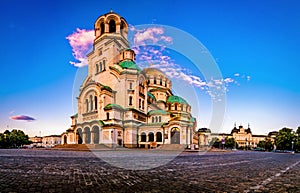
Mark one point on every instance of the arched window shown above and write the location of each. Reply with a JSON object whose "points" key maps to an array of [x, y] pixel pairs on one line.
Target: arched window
{"points": [[175, 106], [91, 102], [156, 119], [96, 101], [112, 26], [107, 116], [102, 28], [130, 100], [152, 119], [154, 82], [181, 106], [100, 67], [158, 137], [151, 137], [104, 66], [143, 137], [140, 103], [143, 104], [130, 85], [160, 81], [159, 119], [87, 105], [165, 83], [169, 106], [97, 68]]}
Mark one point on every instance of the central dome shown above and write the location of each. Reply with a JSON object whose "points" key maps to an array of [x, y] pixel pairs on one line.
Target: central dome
{"points": [[153, 71]]}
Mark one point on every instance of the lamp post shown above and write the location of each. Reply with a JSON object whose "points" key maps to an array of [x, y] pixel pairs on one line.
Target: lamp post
{"points": [[292, 145]]}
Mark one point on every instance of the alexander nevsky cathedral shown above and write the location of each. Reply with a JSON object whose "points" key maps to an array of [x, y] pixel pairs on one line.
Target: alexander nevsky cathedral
{"points": [[120, 104]]}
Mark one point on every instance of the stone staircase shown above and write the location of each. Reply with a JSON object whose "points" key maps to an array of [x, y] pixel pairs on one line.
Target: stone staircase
{"points": [[172, 147]]}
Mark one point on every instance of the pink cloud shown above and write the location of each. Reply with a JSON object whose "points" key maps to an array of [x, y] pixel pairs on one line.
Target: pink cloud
{"points": [[81, 42], [22, 118]]}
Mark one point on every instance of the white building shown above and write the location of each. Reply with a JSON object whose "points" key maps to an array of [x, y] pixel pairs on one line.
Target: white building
{"points": [[121, 104]]}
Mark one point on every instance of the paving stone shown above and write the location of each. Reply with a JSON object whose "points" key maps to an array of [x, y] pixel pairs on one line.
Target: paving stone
{"points": [[72, 171]]}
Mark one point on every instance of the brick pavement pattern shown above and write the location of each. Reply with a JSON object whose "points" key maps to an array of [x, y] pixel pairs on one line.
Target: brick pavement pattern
{"points": [[74, 171]]}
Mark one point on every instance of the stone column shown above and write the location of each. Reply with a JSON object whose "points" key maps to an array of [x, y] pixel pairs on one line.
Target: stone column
{"points": [[83, 137], [92, 137]]}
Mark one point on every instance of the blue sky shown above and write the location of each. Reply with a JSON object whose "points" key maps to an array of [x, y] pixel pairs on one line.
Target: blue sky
{"points": [[254, 38]]}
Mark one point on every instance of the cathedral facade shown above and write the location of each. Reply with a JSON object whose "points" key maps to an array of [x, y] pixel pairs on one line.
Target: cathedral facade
{"points": [[120, 104]]}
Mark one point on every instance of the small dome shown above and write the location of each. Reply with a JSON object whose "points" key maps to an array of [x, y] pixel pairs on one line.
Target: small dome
{"points": [[128, 64], [174, 99], [153, 71]]}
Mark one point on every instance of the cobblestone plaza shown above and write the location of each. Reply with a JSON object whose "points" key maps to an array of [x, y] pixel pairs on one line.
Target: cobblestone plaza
{"points": [[82, 171]]}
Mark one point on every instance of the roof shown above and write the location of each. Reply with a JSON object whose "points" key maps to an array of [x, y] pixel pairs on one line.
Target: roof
{"points": [[192, 119], [128, 64], [158, 112], [151, 96], [176, 99], [206, 130], [113, 106], [153, 71]]}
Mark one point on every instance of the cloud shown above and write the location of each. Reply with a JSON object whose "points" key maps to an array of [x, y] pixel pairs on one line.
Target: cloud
{"points": [[22, 118], [81, 42]]}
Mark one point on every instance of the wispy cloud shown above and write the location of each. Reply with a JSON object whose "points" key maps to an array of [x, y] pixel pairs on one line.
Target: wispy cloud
{"points": [[158, 56], [22, 118], [81, 42]]}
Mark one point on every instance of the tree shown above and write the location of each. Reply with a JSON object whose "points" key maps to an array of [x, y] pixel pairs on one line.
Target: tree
{"points": [[297, 139], [13, 139], [266, 144], [284, 139], [230, 143], [215, 142]]}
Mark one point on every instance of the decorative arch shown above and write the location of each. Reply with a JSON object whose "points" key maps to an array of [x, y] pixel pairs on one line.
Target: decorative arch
{"points": [[79, 136], [96, 134], [151, 137], [112, 26], [87, 135], [175, 135], [159, 137], [143, 137]]}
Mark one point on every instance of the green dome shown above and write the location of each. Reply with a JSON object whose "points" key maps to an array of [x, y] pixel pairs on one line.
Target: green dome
{"points": [[176, 99], [111, 106], [158, 112], [151, 96], [128, 64]]}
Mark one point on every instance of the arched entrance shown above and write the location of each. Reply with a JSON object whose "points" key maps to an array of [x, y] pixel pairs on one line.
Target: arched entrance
{"points": [[79, 136], [65, 139], [95, 131], [87, 135], [175, 135]]}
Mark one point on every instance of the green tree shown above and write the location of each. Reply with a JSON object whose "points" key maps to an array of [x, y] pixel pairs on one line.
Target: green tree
{"points": [[215, 142], [297, 139], [230, 143], [13, 139], [284, 139], [266, 144]]}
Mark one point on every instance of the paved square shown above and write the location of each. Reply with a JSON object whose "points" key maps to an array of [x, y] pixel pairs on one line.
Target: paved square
{"points": [[73, 171]]}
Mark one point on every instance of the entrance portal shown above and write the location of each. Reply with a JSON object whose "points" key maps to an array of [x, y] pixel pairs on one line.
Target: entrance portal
{"points": [[175, 135]]}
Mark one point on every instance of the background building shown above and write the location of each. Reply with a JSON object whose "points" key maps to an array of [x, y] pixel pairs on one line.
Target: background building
{"points": [[243, 137]]}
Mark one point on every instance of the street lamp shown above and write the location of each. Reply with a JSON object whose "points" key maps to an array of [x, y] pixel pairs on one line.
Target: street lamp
{"points": [[292, 145]]}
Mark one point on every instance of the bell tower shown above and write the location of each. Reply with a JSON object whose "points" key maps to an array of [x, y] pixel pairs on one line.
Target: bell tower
{"points": [[110, 39]]}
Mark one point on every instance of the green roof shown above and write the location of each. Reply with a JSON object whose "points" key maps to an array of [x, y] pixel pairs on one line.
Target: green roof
{"points": [[128, 64], [106, 87], [101, 123], [151, 95], [176, 99], [158, 112], [192, 119], [110, 106]]}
